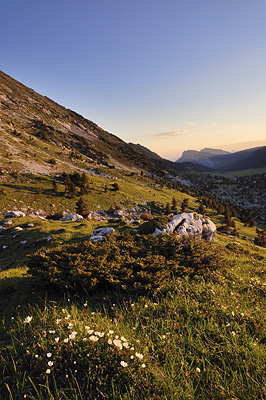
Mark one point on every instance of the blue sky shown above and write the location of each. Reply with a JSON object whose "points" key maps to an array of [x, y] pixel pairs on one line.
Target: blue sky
{"points": [[172, 75]]}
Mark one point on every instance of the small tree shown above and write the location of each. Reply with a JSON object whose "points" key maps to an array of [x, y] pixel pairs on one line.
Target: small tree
{"points": [[174, 204], [184, 205], [82, 207], [115, 186], [167, 209], [260, 239]]}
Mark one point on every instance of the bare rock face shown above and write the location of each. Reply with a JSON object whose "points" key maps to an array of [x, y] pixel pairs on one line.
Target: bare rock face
{"points": [[14, 214], [100, 233], [191, 224]]}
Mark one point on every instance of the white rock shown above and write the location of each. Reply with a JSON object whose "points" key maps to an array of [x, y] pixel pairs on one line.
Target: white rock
{"points": [[190, 224], [100, 233], [9, 222], [18, 228], [14, 214], [23, 242], [73, 217]]}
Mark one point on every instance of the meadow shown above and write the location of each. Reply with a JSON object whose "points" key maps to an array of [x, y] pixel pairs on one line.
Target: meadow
{"points": [[196, 336]]}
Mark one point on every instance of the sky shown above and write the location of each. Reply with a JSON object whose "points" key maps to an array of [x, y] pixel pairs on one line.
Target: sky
{"points": [[171, 75]]}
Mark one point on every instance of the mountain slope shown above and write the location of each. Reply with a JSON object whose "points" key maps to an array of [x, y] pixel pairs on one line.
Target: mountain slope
{"points": [[40, 135]]}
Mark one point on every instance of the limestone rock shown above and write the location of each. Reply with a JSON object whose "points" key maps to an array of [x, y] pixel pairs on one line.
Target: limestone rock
{"points": [[14, 214], [191, 224], [100, 233], [73, 217]]}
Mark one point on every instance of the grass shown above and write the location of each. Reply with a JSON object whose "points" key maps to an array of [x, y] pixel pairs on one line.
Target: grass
{"points": [[202, 338]]}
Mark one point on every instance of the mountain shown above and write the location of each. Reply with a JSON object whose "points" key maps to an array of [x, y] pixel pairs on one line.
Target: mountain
{"points": [[41, 136], [207, 156], [220, 160]]}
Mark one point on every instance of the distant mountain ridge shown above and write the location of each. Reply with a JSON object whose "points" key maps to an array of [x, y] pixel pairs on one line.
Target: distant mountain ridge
{"points": [[220, 160]]}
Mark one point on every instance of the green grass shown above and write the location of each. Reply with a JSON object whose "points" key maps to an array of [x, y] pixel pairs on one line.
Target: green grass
{"points": [[202, 338]]}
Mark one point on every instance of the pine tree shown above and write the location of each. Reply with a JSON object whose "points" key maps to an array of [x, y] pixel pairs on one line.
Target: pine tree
{"points": [[174, 204], [82, 207], [184, 205], [167, 209]]}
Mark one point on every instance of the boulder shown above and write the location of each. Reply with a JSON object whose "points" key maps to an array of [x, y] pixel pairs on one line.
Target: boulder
{"points": [[14, 214], [73, 217], [100, 233], [191, 224]]}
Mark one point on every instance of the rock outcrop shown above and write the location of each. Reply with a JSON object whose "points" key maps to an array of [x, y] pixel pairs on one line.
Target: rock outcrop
{"points": [[100, 233], [191, 224], [73, 217], [14, 214]]}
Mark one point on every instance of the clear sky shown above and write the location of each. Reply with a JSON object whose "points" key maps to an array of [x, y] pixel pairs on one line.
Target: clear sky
{"points": [[171, 75]]}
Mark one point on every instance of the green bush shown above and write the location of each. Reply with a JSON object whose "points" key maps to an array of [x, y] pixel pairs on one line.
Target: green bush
{"points": [[149, 227], [142, 264]]}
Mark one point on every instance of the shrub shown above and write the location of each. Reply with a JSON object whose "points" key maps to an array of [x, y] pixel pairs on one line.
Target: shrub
{"points": [[141, 264], [150, 226]]}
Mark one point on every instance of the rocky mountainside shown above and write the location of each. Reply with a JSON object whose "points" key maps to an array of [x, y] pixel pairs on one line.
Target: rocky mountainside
{"points": [[40, 136]]}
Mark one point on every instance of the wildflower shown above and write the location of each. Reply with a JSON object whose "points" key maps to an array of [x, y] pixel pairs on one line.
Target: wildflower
{"points": [[65, 340], [118, 343], [70, 325], [27, 320], [90, 332], [233, 333], [111, 331], [126, 345], [58, 321], [48, 371], [100, 334], [85, 304], [123, 339], [110, 341], [49, 355], [198, 369], [233, 313], [94, 338], [56, 340], [50, 363], [124, 364], [36, 355], [72, 336], [131, 357], [139, 355], [52, 332], [242, 314], [143, 365]]}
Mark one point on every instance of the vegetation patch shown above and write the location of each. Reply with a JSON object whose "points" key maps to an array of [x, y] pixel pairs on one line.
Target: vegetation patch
{"points": [[144, 264]]}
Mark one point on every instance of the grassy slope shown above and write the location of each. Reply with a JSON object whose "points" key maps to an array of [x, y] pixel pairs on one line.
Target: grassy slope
{"points": [[203, 339]]}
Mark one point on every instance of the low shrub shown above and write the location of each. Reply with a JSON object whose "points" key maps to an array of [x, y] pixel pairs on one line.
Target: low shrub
{"points": [[149, 227], [142, 264]]}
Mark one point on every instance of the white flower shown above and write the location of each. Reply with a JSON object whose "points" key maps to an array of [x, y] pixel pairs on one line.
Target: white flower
{"points": [[110, 341], [100, 334], [126, 345], [198, 369], [118, 343], [49, 355], [56, 339], [93, 338], [131, 357], [50, 363], [233, 333], [111, 331], [123, 339], [36, 355], [27, 320], [143, 365], [72, 335], [65, 340], [85, 304], [139, 355], [48, 371], [124, 364], [58, 320], [52, 332]]}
